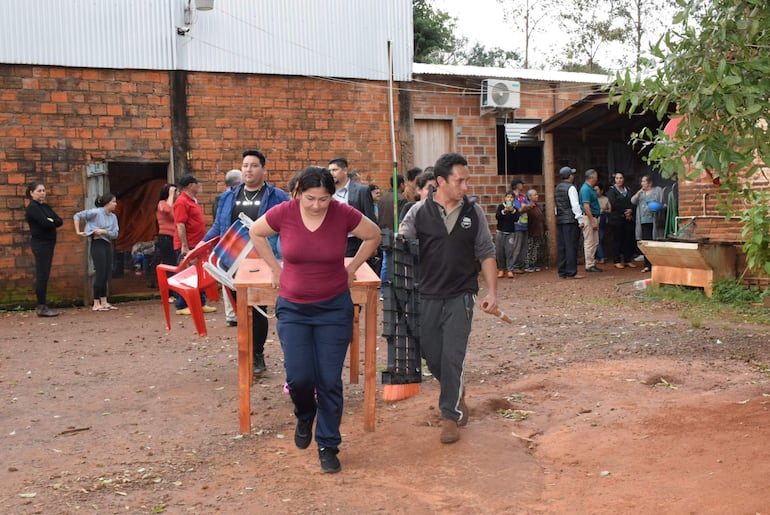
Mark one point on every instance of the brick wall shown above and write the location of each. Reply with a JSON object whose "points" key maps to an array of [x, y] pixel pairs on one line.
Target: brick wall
{"points": [[54, 121], [699, 201]]}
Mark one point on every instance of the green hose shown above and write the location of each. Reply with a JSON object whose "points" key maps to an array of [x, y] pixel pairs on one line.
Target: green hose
{"points": [[671, 214]]}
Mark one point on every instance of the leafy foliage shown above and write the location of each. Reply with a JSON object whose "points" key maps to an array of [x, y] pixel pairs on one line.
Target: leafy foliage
{"points": [[433, 33], [591, 24], [435, 42], [714, 69], [731, 291], [643, 20], [527, 17], [479, 55]]}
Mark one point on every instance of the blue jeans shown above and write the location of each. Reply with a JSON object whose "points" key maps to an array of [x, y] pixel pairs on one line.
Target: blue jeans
{"points": [[383, 271], [315, 339]]}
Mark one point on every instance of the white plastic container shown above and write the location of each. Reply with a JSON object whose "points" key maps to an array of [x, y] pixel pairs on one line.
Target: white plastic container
{"points": [[641, 284]]}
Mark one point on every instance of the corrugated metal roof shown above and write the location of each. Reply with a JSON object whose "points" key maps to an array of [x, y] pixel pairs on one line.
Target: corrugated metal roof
{"points": [[329, 38], [508, 73]]}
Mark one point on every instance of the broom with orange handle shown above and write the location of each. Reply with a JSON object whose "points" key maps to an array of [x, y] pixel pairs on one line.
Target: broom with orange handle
{"points": [[402, 378], [403, 348]]}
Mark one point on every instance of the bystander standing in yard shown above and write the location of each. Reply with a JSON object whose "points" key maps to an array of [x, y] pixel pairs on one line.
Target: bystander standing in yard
{"points": [[314, 306], [506, 216], [43, 222], [536, 244], [101, 228]]}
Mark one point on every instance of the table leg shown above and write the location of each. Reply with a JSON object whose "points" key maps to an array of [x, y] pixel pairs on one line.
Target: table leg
{"points": [[245, 356], [355, 345], [370, 357]]}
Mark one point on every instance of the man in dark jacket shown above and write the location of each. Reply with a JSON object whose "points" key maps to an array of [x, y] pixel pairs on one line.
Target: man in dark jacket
{"points": [[253, 197], [455, 242], [352, 194], [569, 222]]}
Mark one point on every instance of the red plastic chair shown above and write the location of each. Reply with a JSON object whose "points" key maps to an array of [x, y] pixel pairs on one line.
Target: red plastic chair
{"points": [[188, 279]]}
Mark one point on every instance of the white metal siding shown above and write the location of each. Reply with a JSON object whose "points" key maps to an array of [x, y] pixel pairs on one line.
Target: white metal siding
{"points": [[330, 38], [92, 34]]}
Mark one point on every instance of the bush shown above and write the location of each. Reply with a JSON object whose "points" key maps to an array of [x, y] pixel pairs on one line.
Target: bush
{"points": [[731, 291]]}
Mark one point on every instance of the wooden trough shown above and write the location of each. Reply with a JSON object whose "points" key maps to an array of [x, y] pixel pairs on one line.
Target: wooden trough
{"points": [[696, 264]]}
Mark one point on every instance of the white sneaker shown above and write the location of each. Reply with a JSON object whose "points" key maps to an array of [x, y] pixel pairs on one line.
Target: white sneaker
{"points": [[640, 257]]}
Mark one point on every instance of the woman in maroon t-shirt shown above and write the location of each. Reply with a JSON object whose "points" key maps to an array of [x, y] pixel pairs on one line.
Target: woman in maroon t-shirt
{"points": [[314, 308]]}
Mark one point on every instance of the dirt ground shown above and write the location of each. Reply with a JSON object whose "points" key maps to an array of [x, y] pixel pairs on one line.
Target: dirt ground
{"points": [[595, 400]]}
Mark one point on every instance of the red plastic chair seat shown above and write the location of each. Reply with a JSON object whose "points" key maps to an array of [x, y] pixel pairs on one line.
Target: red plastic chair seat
{"points": [[188, 279]]}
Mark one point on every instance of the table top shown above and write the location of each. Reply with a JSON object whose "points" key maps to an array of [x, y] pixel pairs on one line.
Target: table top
{"points": [[254, 273]]}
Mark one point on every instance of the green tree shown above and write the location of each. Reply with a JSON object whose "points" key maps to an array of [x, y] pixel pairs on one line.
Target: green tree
{"points": [[479, 55], [527, 16], [591, 24], [434, 36], [644, 21], [714, 67]]}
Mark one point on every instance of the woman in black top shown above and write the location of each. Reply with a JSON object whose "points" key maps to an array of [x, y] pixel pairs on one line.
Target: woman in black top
{"points": [[43, 222]]}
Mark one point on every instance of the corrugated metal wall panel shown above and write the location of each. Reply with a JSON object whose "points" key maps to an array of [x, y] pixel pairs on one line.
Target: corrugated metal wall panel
{"points": [[92, 34], [331, 38]]}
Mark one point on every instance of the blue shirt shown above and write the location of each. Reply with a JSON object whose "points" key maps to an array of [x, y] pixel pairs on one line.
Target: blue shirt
{"points": [[588, 194], [99, 218]]}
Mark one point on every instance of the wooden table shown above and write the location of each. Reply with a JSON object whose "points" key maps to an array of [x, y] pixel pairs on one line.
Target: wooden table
{"points": [[253, 287], [697, 264]]}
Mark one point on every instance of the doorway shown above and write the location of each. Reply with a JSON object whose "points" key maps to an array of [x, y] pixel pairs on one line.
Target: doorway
{"points": [[137, 187]]}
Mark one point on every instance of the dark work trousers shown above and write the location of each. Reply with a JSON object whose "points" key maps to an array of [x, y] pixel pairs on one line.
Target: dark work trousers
{"points": [[101, 255], [567, 238], [259, 326], [165, 248], [315, 339], [623, 242], [180, 302], [647, 235], [43, 252], [445, 325]]}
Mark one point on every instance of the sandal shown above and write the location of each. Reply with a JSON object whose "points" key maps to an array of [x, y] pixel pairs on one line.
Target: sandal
{"points": [[100, 308], [109, 306], [645, 270]]}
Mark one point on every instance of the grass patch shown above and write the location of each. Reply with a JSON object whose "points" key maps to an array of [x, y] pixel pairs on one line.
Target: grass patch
{"points": [[730, 301]]}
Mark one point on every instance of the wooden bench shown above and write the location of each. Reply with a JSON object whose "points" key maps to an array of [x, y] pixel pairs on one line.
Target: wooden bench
{"points": [[696, 264]]}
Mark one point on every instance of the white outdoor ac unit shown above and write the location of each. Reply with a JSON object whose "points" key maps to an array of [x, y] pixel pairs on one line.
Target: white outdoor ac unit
{"points": [[500, 94]]}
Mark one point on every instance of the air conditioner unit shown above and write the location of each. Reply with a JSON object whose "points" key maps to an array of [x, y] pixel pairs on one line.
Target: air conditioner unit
{"points": [[500, 94]]}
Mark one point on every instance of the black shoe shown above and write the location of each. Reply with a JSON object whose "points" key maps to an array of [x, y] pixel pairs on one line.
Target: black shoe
{"points": [[303, 433], [259, 364], [232, 323], [330, 464], [594, 269], [45, 311]]}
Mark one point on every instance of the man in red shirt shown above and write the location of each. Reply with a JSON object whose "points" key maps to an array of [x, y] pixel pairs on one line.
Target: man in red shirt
{"points": [[190, 228]]}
